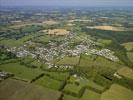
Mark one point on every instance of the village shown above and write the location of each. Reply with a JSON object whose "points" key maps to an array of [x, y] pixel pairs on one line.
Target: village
{"points": [[58, 51]]}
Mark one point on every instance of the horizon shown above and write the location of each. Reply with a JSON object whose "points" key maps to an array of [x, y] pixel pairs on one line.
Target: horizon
{"points": [[73, 3]]}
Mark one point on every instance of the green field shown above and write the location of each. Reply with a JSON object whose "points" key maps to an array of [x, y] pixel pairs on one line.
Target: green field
{"points": [[61, 76], [126, 72], [104, 42], [20, 71], [48, 82], [117, 92], [90, 95], [76, 86], [43, 39], [17, 90], [128, 46], [68, 61], [130, 56], [15, 43], [69, 97], [91, 65]]}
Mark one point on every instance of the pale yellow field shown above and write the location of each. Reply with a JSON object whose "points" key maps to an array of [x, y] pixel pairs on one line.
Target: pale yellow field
{"points": [[126, 72], [58, 32], [106, 27], [117, 92], [51, 22]]}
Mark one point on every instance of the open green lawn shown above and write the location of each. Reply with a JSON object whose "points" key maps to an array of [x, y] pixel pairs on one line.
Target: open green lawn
{"points": [[48, 82], [20, 71], [11, 89], [68, 61], [117, 92]]}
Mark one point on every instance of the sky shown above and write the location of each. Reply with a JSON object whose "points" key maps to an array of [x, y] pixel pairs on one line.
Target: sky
{"points": [[66, 2]]}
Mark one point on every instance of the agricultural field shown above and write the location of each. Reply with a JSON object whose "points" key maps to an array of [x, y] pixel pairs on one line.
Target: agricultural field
{"points": [[69, 61], [14, 89], [77, 85], [128, 46], [108, 28], [117, 92], [126, 72], [20, 71], [61, 76], [130, 56], [48, 82], [88, 95], [14, 42], [58, 32]]}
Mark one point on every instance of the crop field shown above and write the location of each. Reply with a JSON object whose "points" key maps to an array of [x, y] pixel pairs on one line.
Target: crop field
{"points": [[90, 95], [68, 61], [21, 72], [69, 97], [51, 22], [48, 82], [117, 92], [96, 64], [104, 42], [111, 28], [14, 43], [43, 39], [17, 90], [61, 76], [126, 72], [130, 56], [128, 46], [76, 86], [58, 32]]}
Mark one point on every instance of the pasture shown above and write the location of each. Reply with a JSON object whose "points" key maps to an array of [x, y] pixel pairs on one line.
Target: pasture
{"points": [[68, 61], [48, 82], [128, 46], [20, 71], [117, 92], [126, 72], [11, 89]]}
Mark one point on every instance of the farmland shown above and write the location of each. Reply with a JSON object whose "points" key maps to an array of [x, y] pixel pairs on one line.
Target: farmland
{"points": [[128, 46], [117, 92], [111, 28], [48, 82], [14, 90], [126, 72], [20, 71]]}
